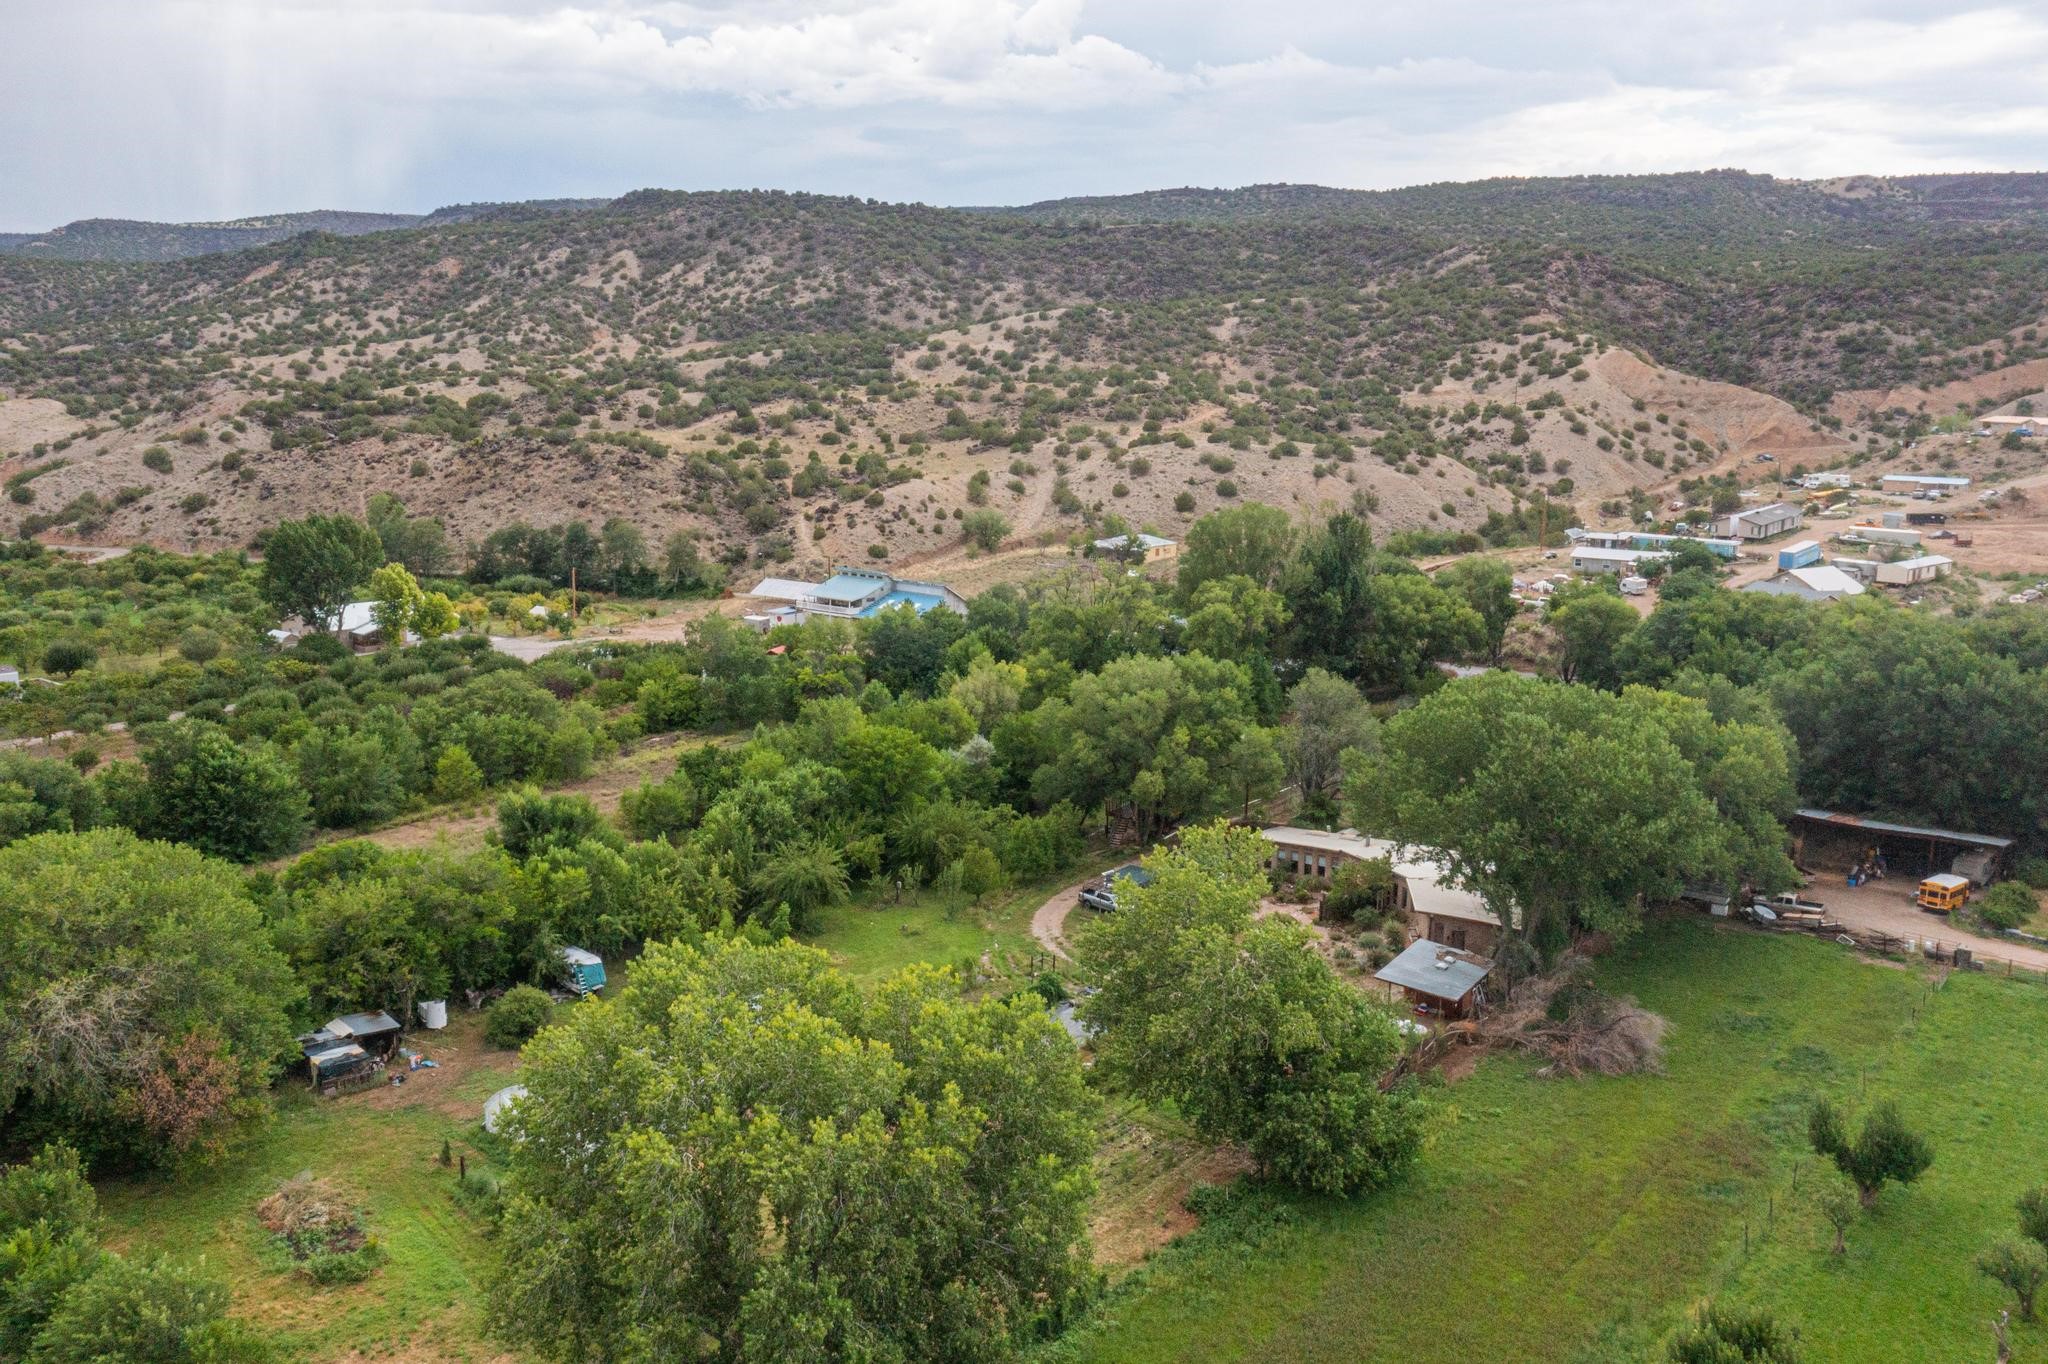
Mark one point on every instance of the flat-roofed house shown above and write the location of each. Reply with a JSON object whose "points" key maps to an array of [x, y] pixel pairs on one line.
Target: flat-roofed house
{"points": [[849, 594], [1433, 906]]}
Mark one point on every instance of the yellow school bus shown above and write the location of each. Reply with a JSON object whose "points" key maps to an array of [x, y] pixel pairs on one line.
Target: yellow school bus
{"points": [[1944, 893]]}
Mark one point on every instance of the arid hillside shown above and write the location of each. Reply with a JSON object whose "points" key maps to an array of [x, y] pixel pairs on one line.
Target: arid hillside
{"points": [[798, 380]]}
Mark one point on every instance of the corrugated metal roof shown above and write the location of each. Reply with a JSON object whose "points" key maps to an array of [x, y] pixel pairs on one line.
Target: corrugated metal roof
{"points": [[1435, 970], [783, 589], [1916, 830]]}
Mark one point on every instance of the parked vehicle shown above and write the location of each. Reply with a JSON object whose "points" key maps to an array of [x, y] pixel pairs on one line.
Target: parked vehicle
{"points": [[1944, 892], [1101, 893]]}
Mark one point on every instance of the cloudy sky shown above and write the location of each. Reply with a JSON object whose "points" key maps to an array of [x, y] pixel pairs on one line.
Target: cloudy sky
{"points": [[202, 109]]}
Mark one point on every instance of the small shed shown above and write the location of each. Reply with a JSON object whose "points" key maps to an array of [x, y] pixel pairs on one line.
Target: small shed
{"points": [[583, 971], [1920, 569], [1799, 555], [349, 1047], [1438, 979], [1137, 547]]}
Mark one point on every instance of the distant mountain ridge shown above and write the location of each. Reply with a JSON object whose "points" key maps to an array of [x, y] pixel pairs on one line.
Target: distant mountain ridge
{"points": [[1723, 204], [130, 241]]}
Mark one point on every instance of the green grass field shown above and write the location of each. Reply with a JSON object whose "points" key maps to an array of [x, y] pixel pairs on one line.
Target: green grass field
{"points": [[869, 937], [1550, 1220], [426, 1302], [1577, 1220]]}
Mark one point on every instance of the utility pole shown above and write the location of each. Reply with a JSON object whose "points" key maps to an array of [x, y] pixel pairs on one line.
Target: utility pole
{"points": [[572, 595]]}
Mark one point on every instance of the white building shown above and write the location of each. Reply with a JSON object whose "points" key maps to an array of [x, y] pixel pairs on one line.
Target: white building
{"points": [[850, 594], [1909, 483], [1137, 547], [1885, 535], [1817, 582], [1591, 559], [1924, 569], [1761, 523]]}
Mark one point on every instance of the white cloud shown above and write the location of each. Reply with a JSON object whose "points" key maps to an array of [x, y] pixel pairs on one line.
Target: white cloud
{"points": [[206, 108]]}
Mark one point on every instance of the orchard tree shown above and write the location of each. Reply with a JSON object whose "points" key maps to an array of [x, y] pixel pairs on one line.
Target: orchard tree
{"points": [[1885, 1151], [1574, 806], [743, 1157], [2021, 1267], [222, 798], [312, 568], [1242, 1025], [143, 1009]]}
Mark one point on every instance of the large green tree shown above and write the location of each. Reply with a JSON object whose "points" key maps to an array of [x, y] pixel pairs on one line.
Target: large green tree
{"points": [[1251, 541], [1242, 1025], [143, 1010], [312, 568], [743, 1158], [1150, 733], [1329, 717], [1487, 586], [223, 798], [1592, 625], [1576, 805]]}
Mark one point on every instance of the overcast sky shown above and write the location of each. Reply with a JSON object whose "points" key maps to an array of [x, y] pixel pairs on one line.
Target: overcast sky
{"points": [[202, 109]]}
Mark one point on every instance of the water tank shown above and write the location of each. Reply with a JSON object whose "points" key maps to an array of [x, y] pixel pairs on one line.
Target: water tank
{"points": [[434, 1013]]}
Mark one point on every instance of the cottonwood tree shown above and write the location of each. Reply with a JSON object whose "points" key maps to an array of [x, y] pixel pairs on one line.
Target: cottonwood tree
{"points": [[1592, 625], [1242, 1025], [1252, 541], [743, 1157], [311, 568], [1488, 587], [1576, 806], [143, 1009], [1329, 717], [1885, 1151], [1151, 733]]}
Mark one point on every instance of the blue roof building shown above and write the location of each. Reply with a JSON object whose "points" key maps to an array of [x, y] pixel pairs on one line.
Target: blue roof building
{"points": [[853, 594]]}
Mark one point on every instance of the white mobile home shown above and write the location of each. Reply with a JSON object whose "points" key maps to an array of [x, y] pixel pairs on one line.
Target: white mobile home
{"points": [[1924, 569], [1761, 523]]}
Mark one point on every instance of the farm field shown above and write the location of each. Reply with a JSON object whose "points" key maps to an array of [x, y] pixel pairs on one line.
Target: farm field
{"points": [[1576, 1221], [1550, 1220], [428, 1301]]}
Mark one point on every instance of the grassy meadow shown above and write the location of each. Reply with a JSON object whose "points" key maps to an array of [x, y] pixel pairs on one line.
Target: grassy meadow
{"points": [[1559, 1220], [1575, 1221]]}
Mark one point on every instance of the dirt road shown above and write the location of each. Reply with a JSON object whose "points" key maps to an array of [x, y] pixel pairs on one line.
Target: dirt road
{"points": [[1888, 907], [1049, 924]]}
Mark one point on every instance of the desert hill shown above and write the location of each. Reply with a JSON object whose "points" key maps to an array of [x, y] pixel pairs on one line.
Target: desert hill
{"points": [[799, 379]]}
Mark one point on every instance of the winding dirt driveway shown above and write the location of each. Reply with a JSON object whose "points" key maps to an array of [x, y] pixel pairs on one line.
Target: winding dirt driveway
{"points": [[1049, 923]]}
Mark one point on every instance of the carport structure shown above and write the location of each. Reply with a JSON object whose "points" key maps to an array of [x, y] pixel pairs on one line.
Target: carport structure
{"points": [[1833, 839]]}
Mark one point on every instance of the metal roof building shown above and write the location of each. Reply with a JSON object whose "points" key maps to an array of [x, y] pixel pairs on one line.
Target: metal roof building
{"points": [[1819, 582], [1926, 480], [1438, 974], [858, 593]]}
